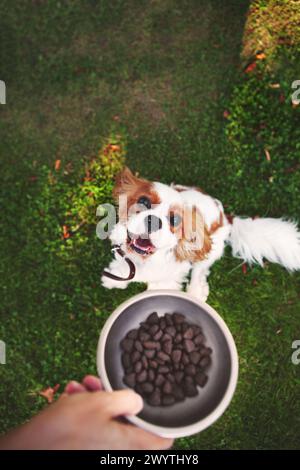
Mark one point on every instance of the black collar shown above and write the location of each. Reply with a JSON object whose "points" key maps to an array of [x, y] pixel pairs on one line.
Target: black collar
{"points": [[131, 265]]}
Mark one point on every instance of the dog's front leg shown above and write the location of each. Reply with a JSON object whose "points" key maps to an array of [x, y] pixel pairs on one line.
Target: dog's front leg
{"points": [[120, 268]]}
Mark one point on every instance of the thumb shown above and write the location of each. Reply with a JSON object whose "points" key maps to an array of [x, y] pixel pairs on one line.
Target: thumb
{"points": [[122, 402]]}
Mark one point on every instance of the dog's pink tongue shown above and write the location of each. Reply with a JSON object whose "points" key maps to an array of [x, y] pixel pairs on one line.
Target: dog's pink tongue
{"points": [[143, 242]]}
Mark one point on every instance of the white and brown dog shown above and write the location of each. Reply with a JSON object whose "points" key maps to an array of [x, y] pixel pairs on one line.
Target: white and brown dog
{"points": [[166, 231]]}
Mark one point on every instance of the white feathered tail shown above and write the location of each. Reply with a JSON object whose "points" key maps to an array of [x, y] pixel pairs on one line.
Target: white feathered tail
{"points": [[276, 240]]}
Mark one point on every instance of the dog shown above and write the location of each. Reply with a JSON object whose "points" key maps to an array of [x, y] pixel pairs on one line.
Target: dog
{"points": [[165, 232]]}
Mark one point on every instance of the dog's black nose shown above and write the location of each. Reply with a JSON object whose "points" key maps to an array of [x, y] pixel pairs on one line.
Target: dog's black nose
{"points": [[152, 223]]}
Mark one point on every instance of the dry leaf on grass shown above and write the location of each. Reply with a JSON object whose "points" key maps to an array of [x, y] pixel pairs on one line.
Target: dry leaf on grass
{"points": [[250, 67], [49, 392], [260, 56], [267, 154], [66, 233], [57, 165]]}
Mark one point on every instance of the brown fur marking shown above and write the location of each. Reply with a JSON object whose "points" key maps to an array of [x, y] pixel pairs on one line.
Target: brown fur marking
{"points": [[132, 187]]}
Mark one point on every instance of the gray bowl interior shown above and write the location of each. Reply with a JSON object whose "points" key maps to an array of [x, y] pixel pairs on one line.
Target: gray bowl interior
{"points": [[193, 409]]}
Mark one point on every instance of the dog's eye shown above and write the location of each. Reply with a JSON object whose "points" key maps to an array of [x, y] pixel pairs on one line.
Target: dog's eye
{"points": [[144, 201], [174, 219]]}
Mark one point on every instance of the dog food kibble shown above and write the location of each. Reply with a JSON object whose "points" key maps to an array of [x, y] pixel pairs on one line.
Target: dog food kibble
{"points": [[165, 359]]}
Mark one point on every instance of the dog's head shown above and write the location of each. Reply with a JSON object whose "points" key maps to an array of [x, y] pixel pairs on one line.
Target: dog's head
{"points": [[157, 218]]}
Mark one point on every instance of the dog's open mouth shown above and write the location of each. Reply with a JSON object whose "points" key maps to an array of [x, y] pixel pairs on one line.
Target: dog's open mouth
{"points": [[143, 246]]}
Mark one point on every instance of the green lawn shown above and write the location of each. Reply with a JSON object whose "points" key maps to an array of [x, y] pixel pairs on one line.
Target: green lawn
{"points": [[156, 77]]}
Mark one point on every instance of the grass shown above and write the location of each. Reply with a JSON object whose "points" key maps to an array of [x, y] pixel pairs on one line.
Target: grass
{"points": [[157, 77]]}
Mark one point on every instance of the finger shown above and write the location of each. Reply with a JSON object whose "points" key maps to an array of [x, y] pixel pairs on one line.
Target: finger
{"points": [[74, 387], [138, 439], [92, 383], [122, 402]]}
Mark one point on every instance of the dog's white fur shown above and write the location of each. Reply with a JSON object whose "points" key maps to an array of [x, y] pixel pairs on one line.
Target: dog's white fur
{"points": [[252, 240]]}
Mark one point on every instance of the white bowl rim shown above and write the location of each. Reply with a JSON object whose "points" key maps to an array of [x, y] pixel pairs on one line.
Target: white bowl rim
{"points": [[182, 431]]}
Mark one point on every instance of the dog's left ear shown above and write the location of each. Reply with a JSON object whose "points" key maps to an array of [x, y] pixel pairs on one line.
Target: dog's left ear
{"points": [[127, 186], [194, 242], [126, 183]]}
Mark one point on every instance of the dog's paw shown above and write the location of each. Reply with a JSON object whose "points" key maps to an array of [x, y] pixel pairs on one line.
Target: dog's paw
{"points": [[200, 291], [112, 283]]}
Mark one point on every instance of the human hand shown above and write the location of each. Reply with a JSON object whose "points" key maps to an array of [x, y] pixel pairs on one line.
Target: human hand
{"points": [[86, 417]]}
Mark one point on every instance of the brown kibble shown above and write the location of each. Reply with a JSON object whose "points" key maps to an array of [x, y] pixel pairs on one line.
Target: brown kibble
{"points": [[147, 387], [179, 376], [130, 380], [163, 356], [166, 337], [153, 329], [132, 334], [152, 319], [153, 364], [144, 336], [155, 398], [168, 319], [170, 378], [142, 376], [167, 346], [201, 379], [176, 355], [160, 361], [190, 390], [190, 369], [197, 330], [144, 327], [198, 339], [150, 353], [138, 367], [168, 400], [159, 380], [189, 387], [167, 387], [185, 359], [189, 333], [138, 389], [188, 345], [184, 327], [205, 361], [163, 369], [178, 338], [195, 357], [178, 393], [178, 318], [126, 360], [150, 344], [135, 356], [138, 346], [158, 335], [206, 351], [151, 375], [171, 330], [127, 344], [145, 362]]}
